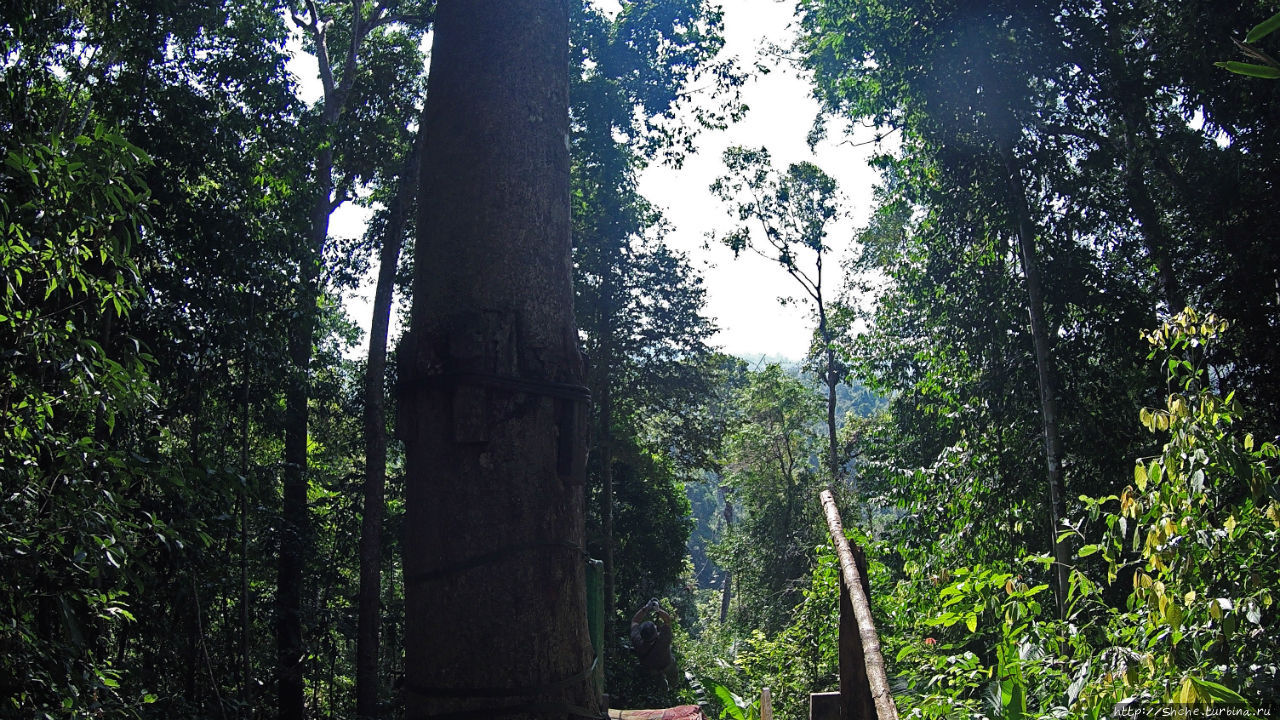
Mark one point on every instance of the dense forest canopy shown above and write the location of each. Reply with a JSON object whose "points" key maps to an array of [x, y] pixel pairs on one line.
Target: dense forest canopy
{"points": [[1043, 380]]}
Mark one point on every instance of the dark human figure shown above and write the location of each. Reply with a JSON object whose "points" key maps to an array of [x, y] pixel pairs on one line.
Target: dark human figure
{"points": [[652, 640]]}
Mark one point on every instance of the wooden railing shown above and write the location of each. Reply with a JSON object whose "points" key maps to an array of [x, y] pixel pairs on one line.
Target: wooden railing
{"points": [[864, 685]]}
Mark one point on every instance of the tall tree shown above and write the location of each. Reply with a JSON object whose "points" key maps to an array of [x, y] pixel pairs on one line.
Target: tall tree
{"points": [[492, 398], [792, 211], [639, 302], [773, 477], [348, 45], [975, 118]]}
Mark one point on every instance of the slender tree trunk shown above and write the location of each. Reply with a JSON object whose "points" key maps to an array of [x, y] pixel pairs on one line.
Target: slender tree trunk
{"points": [[492, 403], [606, 497], [605, 404], [244, 528], [295, 521], [831, 380], [295, 524], [726, 589], [1045, 371], [1128, 88], [375, 439]]}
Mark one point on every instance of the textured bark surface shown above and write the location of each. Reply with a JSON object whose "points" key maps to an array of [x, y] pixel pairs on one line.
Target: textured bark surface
{"points": [[493, 412]]}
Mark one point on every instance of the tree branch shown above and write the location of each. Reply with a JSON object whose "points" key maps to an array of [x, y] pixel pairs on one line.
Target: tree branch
{"points": [[318, 28], [349, 67]]}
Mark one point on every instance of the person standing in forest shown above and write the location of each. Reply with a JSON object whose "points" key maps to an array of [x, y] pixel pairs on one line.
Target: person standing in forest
{"points": [[652, 640]]}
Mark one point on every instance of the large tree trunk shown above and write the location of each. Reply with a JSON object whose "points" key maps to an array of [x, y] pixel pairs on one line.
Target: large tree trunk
{"points": [[1045, 370], [492, 403], [375, 441]]}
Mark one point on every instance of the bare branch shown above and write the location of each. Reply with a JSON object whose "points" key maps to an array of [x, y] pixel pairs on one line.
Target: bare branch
{"points": [[879, 137], [300, 22], [413, 21], [317, 28], [349, 67]]}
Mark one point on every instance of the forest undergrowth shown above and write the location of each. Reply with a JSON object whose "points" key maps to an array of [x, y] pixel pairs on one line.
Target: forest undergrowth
{"points": [[1171, 594]]}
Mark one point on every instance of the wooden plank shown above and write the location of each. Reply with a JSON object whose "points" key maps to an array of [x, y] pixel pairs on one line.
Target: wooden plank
{"points": [[855, 590]]}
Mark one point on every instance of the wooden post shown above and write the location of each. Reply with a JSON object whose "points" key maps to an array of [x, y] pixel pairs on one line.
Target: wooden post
{"points": [[766, 705], [824, 706], [864, 684]]}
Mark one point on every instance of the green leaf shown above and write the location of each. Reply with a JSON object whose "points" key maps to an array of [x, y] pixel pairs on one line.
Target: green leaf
{"points": [[1263, 29], [730, 702], [1088, 550], [971, 622], [1250, 69]]}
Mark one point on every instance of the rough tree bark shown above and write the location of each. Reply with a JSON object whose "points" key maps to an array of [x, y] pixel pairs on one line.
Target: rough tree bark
{"points": [[493, 408], [375, 440]]}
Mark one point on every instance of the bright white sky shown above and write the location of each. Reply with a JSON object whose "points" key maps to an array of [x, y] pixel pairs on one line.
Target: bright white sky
{"points": [[742, 294]]}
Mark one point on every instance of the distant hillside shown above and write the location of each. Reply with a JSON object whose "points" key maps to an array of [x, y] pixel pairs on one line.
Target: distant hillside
{"points": [[705, 499]]}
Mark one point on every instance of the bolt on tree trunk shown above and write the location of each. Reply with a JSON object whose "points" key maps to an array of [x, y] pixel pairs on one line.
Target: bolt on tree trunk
{"points": [[492, 403]]}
